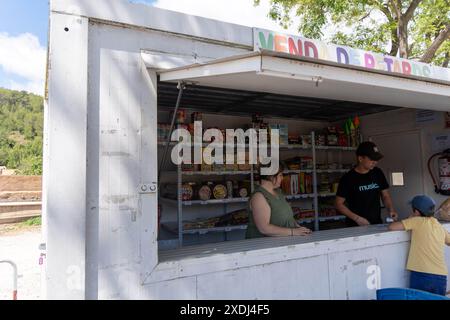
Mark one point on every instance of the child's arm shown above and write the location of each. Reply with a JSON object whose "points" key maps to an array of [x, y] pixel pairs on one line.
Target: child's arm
{"points": [[407, 224], [447, 239], [396, 226]]}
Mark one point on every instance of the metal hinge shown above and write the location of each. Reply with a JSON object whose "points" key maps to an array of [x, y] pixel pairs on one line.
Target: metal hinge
{"points": [[148, 188]]}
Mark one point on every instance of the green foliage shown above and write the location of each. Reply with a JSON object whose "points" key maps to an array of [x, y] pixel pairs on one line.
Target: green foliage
{"points": [[432, 17], [368, 24], [36, 221], [21, 131]]}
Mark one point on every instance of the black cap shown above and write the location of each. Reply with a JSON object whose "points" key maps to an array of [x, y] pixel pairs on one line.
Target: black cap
{"points": [[369, 149]]}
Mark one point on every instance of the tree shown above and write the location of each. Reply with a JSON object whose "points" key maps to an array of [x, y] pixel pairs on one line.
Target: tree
{"points": [[21, 131], [416, 29]]}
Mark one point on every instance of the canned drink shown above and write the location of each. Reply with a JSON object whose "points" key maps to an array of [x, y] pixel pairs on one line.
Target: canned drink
{"points": [[335, 187]]}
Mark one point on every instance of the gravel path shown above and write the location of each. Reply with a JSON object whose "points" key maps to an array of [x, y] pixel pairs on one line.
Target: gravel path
{"points": [[20, 246]]}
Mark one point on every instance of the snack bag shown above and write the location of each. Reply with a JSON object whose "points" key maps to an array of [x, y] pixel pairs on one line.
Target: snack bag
{"points": [[443, 212]]}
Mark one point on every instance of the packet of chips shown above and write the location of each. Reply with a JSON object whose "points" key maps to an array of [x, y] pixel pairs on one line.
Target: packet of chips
{"points": [[443, 213]]}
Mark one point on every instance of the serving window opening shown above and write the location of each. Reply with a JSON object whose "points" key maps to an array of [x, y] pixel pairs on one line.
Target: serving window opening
{"points": [[321, 110], [201, 203]]}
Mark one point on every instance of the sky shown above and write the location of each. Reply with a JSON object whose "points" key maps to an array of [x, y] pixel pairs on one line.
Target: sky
{"points": [[24, 28], [23, 42]]}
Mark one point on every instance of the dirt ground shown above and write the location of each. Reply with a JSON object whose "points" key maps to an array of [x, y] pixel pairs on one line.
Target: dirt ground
{"points": [[18, 196], [20, 188], [20, 244], [17, 229], [20, 183]]}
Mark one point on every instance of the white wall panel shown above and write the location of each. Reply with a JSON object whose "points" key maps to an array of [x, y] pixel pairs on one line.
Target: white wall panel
{"points": [[294, 279], [66, 131]]}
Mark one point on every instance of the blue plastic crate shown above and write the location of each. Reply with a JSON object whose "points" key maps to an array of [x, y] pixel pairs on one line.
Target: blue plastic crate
{"points": [[407, 294]]}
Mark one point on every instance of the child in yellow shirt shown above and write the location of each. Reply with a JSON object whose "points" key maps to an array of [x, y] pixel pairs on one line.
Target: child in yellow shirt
{"points": [[426, 259]]}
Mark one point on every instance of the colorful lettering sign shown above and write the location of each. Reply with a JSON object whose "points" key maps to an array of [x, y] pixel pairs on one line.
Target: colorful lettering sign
{"points": [[298, 46]]}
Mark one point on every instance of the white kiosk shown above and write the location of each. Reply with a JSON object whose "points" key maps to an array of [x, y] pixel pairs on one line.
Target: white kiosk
{"points": [[105, 62]]}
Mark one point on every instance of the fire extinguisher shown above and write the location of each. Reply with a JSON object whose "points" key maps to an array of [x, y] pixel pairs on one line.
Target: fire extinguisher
{"points": [[444, 172]]}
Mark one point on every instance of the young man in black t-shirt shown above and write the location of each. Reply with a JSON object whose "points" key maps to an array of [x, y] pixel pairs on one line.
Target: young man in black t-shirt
{"points": [[360, 189]]}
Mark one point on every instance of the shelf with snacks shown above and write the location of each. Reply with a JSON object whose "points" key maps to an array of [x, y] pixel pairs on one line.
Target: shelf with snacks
{"points": [[206, 229], [282, 147], [317, 147], [215, 229], [215, 173], [306, 179], [211, 173], [294, 146], [326, 194], [325, 212], [336, 148], [300, 196], [228, 222], [215, 201], [208, 185], [206, 202], [205, 144], [288, 172], [338, 138], [332, 170], [218, 229]]}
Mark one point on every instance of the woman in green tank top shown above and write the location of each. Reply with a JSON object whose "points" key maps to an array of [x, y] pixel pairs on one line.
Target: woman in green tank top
{"points": [[270, 215]]}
